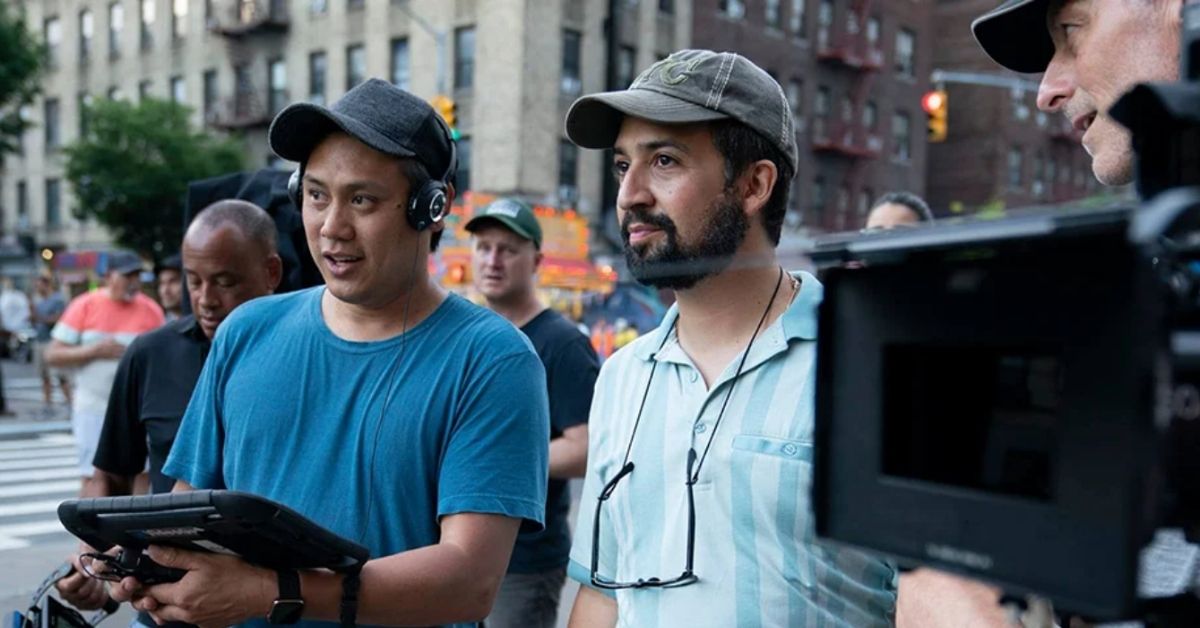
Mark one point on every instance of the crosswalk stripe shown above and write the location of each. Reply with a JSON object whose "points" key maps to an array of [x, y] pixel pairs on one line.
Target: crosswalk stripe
{"points": [[42, 443], [39, 488], [13, 477], [33, 528], [35, 454], [44, 463], [30, 508]]}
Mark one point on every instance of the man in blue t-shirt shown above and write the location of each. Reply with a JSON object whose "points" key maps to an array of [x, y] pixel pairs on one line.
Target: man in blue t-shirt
{"points": [[379, 406]]}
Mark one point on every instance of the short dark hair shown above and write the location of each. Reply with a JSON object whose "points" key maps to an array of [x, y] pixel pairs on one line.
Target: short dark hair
{"points": [[250, 219], [909, 200], [742, 146]]}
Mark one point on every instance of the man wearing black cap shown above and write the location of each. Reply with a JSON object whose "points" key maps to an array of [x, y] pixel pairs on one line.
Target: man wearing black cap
{"points": [[170, 287], [1092, 52], [695, 508], [379, 406], [506, 251]]}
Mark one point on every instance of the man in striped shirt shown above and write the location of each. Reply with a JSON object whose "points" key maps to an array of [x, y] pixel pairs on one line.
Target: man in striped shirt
{"points": [[696, 509], [90, 337]]}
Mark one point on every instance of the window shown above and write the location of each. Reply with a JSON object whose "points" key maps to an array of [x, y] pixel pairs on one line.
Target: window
{"points": [[464, 58], [52, 32], [318, 7], [86, 32], [818, 196], [626, 66], [735, 9], [277, 74], [400, 63], [821, 113], [116, 21], [243, 91], [1015, 166], [144, 88], [906, 46], [795, 96], [874, 29], [463, 180], [1039, 165], [114, 93], [870, 117], [570, 83], [53, 135], [864, 202], [1020, 109], [824, 23], [356, 65], [354, 5], [84, 102], [210, 95], [22, 205], [317, 69], [147, 18], [666, 7], [178, 90], [774, 18], [901, 136], [53, 203], [798, 21], [179, 11], [568, 169]]}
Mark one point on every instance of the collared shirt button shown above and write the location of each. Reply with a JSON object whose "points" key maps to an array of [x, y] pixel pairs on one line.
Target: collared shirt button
{"points": [[701, 428], [694, 376], [790, 449]]}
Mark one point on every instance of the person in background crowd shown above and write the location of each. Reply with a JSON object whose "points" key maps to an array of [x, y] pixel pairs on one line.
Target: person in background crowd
{"points": [[170, 287], [506, 243], [48, 307], [898, 209], [90, 337]]}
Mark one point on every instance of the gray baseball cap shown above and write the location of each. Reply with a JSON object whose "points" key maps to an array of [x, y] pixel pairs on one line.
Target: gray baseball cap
{"points": [[1016, 36], [376, 113], [690, 86], [123, 262]]}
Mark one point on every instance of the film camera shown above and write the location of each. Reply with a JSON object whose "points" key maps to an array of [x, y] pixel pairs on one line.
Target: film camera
{"points": [[1018, 400]]}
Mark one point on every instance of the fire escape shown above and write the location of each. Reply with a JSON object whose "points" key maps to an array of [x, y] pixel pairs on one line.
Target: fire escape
{"points": [[842, 133], [242, 23]]}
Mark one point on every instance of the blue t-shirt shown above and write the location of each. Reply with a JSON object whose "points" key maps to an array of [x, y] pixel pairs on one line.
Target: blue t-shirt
{"points": [[287, 410]]}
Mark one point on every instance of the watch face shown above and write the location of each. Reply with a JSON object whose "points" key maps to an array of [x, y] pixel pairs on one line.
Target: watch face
{"points": [[286, 611]]}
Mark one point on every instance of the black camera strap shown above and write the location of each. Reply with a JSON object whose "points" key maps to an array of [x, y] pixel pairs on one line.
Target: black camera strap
{"points": [[349, 607]]}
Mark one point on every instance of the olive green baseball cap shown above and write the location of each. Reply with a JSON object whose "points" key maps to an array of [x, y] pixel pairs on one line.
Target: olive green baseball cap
{"points": [[687, 87], [512, 214]]}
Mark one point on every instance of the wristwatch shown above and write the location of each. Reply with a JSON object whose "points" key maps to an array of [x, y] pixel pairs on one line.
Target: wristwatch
{"points": [[289, 606]]}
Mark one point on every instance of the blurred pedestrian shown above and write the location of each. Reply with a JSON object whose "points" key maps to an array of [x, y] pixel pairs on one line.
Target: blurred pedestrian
{"points": [[91, 336], [48, 307], [898, 209], [170, 287], [506, 243]]}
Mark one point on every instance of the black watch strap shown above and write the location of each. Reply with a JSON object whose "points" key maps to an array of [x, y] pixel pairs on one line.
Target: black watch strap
{"points": [[289, 584], [349, 608]]}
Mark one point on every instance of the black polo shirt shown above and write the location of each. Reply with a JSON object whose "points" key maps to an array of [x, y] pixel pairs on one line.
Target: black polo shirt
{"points": [[152, 388]]}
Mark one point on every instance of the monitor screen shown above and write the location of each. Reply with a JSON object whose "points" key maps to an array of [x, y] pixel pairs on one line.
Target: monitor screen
{"points": [[978, 417]]}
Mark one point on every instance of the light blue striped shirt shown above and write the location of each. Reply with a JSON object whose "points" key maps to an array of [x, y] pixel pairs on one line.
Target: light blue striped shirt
{"points": [[756, 555]]}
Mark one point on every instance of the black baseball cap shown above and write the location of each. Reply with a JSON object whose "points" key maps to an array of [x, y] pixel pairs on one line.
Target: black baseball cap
{"points": [[376, 113], [173, 262], [1016, 36], [690, 86]]}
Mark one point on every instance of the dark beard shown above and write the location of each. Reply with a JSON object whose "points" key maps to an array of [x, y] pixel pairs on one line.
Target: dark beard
{"points": [[672, 266]]}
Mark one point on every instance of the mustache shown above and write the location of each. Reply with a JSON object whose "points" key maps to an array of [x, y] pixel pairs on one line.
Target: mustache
{"points": [[659, 221]]}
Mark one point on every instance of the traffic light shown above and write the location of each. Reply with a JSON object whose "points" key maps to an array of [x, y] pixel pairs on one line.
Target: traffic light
{"points": [[446, 107], [935, 105]]}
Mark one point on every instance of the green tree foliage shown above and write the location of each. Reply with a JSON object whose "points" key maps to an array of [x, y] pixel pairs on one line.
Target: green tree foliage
{"points": [[131, 170], [21, 56]]}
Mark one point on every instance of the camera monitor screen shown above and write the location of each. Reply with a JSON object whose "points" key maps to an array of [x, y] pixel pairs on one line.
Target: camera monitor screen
{"points": [[982, 418]]}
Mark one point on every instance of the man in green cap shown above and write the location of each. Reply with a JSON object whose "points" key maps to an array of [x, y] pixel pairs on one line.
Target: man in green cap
{"points": [[506, 242]]}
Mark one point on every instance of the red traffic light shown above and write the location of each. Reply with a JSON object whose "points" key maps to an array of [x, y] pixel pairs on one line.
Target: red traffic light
{"points": [[934, 101]]}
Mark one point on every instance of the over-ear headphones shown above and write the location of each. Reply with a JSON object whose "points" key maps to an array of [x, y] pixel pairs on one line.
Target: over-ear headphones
{"points": [[427, 206]]}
